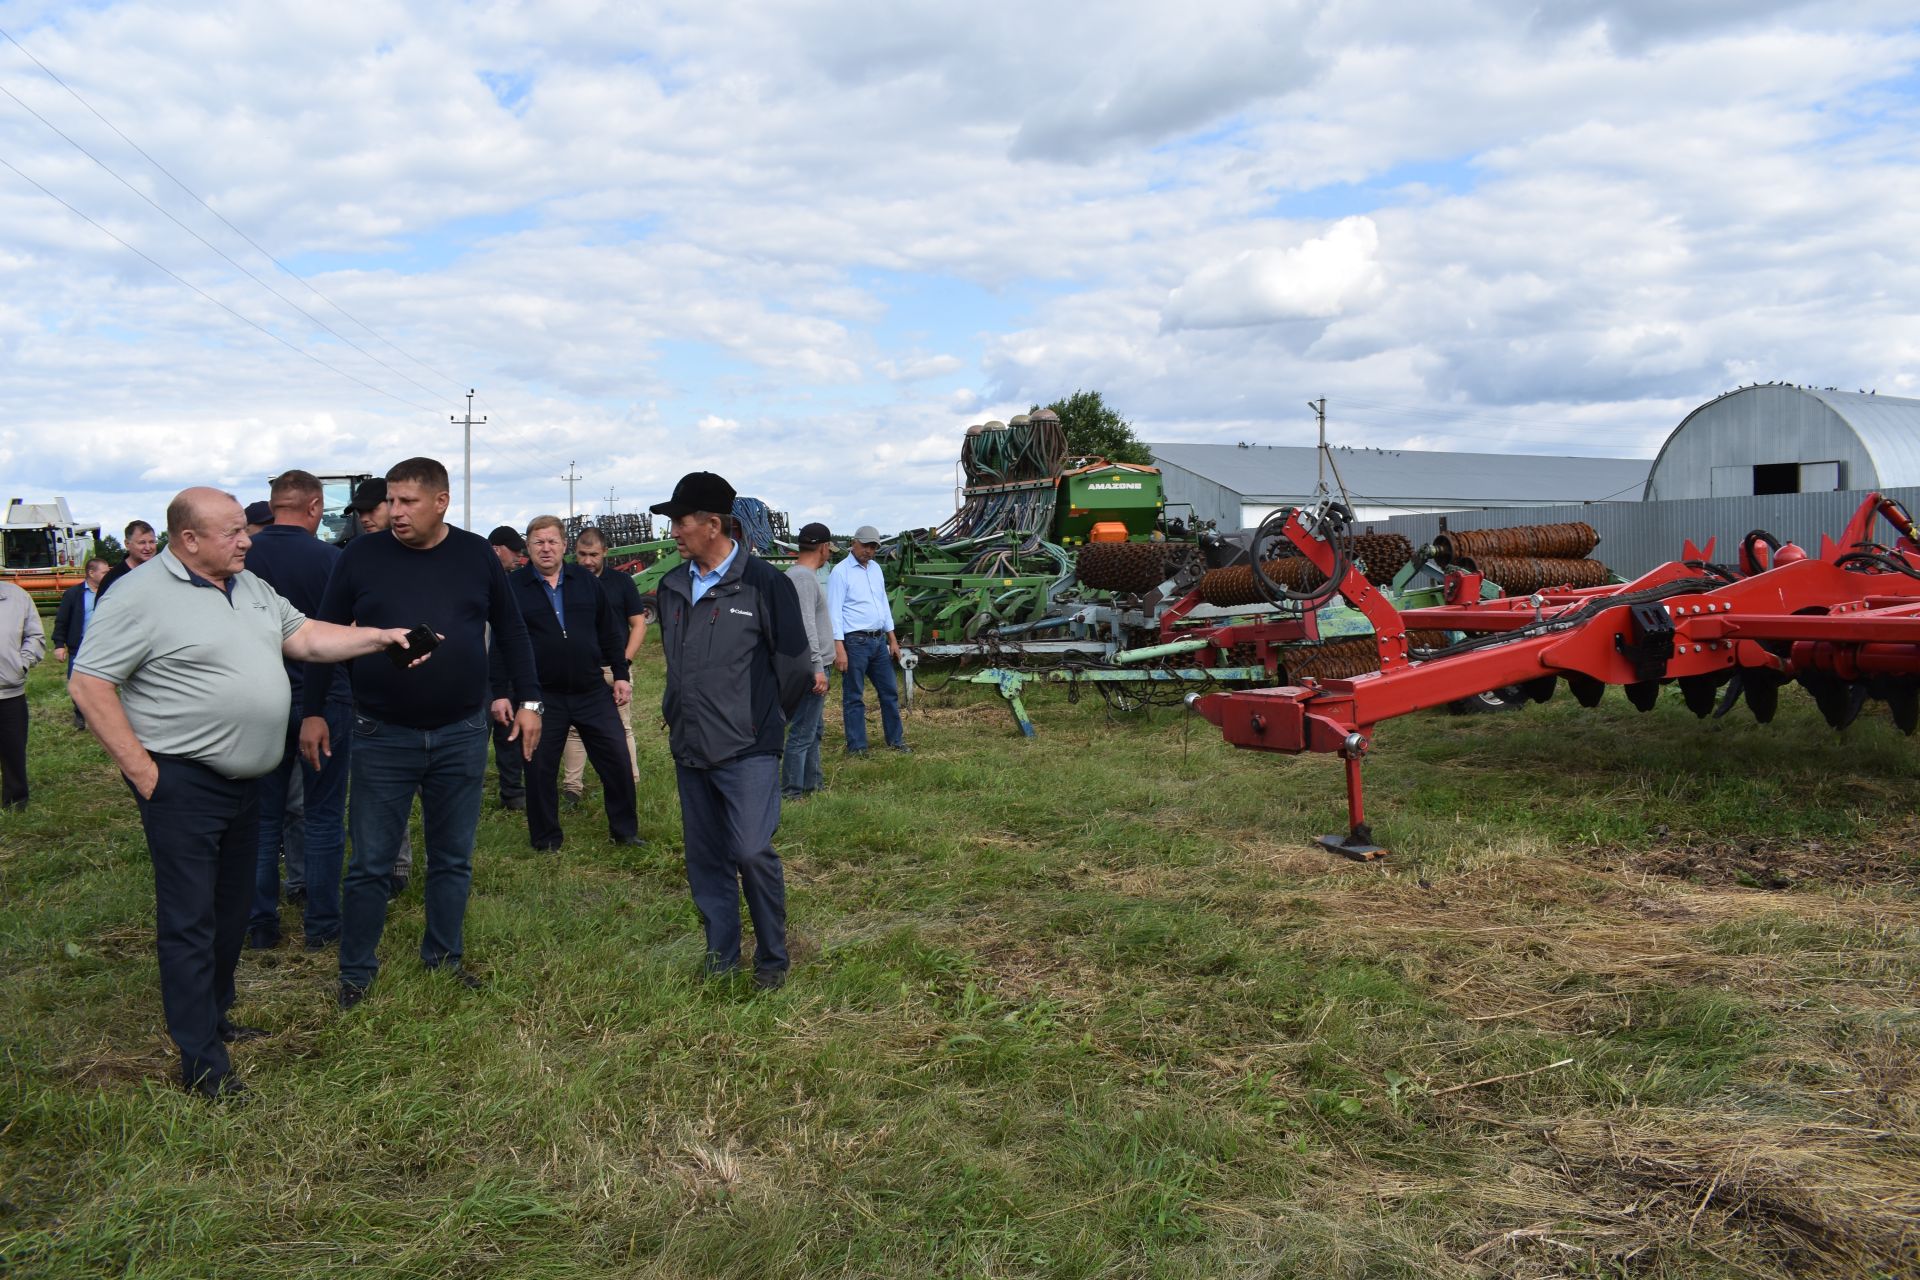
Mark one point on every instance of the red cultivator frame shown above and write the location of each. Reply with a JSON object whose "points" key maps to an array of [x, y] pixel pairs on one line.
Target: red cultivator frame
{"points": [[1846, 625]]}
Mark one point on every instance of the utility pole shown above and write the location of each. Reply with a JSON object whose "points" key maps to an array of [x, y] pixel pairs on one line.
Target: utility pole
{"points": [[571, 479], [1319, 408], [609, 499], [468, 422]]}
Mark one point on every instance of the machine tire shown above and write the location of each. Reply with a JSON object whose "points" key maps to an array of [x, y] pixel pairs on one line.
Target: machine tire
{"points": [[1492, 702], [650, 608]]}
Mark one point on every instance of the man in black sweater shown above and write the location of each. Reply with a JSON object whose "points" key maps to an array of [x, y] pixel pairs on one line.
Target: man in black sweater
{"points": [[423, 727], [575, 635]]}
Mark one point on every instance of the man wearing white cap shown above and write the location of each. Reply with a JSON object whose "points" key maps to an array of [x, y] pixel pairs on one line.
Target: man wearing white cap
{"points": [[864, 644]]}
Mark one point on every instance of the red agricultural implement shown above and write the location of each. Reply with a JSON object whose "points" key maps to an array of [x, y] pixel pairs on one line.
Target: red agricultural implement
{"points": [[1845, 624]]}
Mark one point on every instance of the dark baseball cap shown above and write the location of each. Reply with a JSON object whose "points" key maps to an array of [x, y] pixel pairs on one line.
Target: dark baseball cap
{"points": [[369, 495], [509, 537], [259, 513], [697, 491], [813, 535]]}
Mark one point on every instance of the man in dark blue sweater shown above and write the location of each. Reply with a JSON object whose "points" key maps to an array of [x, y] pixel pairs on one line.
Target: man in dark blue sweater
{"points": [[575, 636], [423, 727], [291, 560]]}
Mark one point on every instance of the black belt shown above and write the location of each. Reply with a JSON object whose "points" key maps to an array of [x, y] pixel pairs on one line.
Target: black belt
{"points": [[852, 634]]}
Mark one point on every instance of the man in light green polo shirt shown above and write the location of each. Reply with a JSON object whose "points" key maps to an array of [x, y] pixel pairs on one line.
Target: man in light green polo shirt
{"points": [[180, 678]]}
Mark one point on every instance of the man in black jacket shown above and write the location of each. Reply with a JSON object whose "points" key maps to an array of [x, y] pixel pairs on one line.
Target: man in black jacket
{"points": [[70, 622], [575, 635], [737, 666]]}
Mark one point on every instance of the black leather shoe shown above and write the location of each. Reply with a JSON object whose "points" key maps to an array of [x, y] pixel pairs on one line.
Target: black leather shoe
{"points": [[549, 847], [240, 1035], [321, 944], [516, 804], [351, 995], [262, 940], [297, 897], [631, 842], [570, 799], [457, 972], [769, 979], [903, 749], [225, 1089], [396, 885]]}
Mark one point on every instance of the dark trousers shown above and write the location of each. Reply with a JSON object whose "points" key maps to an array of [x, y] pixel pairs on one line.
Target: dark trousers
{"points": [[869, 658], [604, 735], [13, 752], [729, 814], [202, 831], [508, 762], [323, 849], [389, 763]]}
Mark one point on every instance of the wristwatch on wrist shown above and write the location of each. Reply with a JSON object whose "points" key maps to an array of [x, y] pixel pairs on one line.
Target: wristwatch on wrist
{"points": [[538, 708]]}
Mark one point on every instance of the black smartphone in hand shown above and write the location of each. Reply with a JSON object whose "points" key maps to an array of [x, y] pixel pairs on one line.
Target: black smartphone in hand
{"points": [[421, 641]]}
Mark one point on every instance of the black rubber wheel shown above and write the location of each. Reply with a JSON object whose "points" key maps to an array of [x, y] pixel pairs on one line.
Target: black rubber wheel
{"points": [[1492, 702]]}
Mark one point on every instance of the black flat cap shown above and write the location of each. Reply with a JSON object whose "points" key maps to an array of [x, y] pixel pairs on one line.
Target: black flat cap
{"points": [[697, 491], [509, 537], [259, 513]]}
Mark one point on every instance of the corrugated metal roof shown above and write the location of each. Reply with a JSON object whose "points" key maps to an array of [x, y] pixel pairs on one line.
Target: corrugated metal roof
{"points": [[1393, 476], [1888, 428]]}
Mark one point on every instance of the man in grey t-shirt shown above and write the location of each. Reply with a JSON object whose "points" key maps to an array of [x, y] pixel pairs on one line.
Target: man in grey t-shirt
{"points": [[800, 769], [180, 677]]}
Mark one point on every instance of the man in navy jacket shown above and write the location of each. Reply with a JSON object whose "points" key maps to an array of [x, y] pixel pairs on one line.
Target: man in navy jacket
{"points": [[737, 667], [574, 635], [70, 622]]}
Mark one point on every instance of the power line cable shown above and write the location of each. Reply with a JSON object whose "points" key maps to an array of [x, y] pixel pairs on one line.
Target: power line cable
{"points": [[209, 297], [216, 248], [75, 93]]}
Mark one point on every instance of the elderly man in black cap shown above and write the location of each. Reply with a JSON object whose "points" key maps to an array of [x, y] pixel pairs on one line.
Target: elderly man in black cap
{"points": [[737, 667]]}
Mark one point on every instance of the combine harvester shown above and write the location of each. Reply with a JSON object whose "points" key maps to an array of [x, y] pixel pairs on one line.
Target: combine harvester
{"points": [[1844, 624], [43, 550]]}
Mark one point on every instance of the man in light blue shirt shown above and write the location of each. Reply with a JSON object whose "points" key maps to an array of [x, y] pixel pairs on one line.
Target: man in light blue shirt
{"points": [[864, 644]]}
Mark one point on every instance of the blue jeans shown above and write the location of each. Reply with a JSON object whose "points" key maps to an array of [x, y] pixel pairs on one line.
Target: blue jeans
{"points": [[728, 815], [867, 656], [304, 812], [389, 762], [800, 767]]}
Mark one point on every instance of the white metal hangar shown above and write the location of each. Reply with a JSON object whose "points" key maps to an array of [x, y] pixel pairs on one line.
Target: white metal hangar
{"points": [[1236, 486], [1787, 439]]}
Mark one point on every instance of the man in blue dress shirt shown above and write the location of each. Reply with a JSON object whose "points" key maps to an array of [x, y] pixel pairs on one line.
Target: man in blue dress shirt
{"points": [[864, 644]]}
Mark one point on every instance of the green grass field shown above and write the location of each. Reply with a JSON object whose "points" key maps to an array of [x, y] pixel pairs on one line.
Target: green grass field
{"points": [[1635, 997]]}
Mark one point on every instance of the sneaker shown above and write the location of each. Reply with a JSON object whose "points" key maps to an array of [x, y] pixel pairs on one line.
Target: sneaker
{"points": [[901, 747], [350, 994], [857, 754], [631, 842], [570, 799], [396, 885]]}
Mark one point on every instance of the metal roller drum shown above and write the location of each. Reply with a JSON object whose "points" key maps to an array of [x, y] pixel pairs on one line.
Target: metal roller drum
{"points": [[1572, 541], [1382, 554], [1524, 575], [1129, 567]]}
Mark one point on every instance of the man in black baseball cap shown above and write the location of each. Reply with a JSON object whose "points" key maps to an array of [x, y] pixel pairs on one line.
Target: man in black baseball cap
{"points": [[727, 701], [800, 773], [509, 546], [509, 762], [370, 505]]}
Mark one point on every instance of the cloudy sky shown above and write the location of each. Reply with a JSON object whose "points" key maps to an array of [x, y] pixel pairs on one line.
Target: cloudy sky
{"points": [[806, 242]]}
